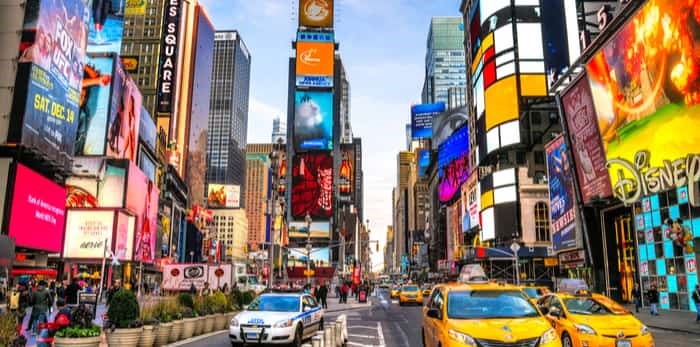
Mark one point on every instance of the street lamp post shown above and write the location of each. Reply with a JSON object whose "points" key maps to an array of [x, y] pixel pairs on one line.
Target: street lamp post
{"points": [[308, 221], [191, 256], [515, 247]]}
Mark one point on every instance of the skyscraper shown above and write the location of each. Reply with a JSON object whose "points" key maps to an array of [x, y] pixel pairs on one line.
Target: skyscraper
{"points": [[228, 111], [444, 59], [279, 130], [257, 191]]}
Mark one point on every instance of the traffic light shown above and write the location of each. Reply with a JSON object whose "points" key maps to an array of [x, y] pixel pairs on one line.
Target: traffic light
{"points": [[377, 247]]}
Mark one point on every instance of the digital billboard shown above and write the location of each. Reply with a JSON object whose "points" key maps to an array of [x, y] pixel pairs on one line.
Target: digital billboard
{"points": [[111, 188], [312, 186], [316, 13], [645, 89], [453, 164], [346, 173], [318, 230], [422, 119], [123, 127], [124, 236], [50, 71], [313, 120], [147, 130], [314, 63], [224, 196], [142, 199], [37, 209], [87, 233], [135, 7], [561, 195], [587, 148], [106, 26], [444, 124], [319, 256], [423, 162]]}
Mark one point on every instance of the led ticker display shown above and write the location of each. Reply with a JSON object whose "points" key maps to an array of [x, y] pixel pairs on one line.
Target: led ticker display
{"points": [[453, 164], [312, 186], [313, 120]]}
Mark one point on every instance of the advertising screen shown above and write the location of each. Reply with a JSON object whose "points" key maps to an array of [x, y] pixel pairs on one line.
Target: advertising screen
{"points": [[312, 186], [124, 243], [316, 13], [423, 162], [319, 256], [106, 26], [142, 199], [87, 233], [444, 124], [224, 196], [37, 210], [561, 195], [314, 63], [422, 119], [135, 8], [645, 89], [453, 164], [111, 188], [313, 120], [318, 230], [147, 129], [123, 132], [346, 173], [50, 71], [585, 139]]}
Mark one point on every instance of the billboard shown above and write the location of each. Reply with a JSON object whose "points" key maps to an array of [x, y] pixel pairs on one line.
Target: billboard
{"points": [[147, 129], [224, 196], [123, 131], [111, 191], [50, 71], [561, 195], [168, 56], [313, 120], [318, 230], [183, 276], [37, 209], [87, 232], [124, 236], [444, 124], [422, 119], [346, 173], [319, 256], [142, 199], [645, 89], [423, 162], [312, 186], [453, 164], [106, 26], [314, 63], [316, 13], [220, 275], [135, 8]]}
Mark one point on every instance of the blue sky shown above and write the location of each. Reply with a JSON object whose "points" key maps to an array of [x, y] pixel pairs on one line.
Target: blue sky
{"points": [[382, 44]]}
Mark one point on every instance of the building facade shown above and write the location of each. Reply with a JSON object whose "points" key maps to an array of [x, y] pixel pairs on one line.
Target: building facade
{"points": [[279, 130], [444, 59], [230, 227], [258, 181]]}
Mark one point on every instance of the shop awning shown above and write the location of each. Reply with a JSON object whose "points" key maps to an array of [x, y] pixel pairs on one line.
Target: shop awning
{"points": [[35, 272]]}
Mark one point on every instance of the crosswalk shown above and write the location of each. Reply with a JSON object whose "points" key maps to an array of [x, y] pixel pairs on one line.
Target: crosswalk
{"points": [[362, 332]]}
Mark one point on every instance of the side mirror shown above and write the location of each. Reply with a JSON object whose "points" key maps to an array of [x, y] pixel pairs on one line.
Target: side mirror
{"points": [[434, 313], [555, 312]]}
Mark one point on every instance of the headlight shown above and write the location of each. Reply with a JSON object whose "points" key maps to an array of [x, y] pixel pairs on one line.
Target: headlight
{"points": [[283, 324], [644, 330], [234, 322], [461, 338], [548, 336], [584, 329]]}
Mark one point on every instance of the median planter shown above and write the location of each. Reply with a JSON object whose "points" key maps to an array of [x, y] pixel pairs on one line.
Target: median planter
{"points": [[209, 324], [163, 334], [124, 337], [77, 342], [199, 326], [188, 327], [220, 322], [176, 332], [148, 336]]}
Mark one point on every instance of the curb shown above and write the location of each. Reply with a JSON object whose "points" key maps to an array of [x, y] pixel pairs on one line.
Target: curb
{"points": [[197, 338], [675, 330]]}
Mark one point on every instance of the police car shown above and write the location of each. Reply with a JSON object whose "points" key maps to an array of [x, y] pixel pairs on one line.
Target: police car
{"points": [[287, 318]]}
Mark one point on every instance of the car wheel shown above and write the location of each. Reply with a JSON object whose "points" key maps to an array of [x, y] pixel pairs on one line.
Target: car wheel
{"points": [[566, 340], [236, 344], [298, 337]]}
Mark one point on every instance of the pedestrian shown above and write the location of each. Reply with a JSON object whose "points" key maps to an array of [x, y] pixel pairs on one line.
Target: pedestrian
{"points": [[116, 286], [52, 292], [193, 289], [323, 295], [345, 290], [63, 314], [60, 291], [41, 300], [696, 299], [653, 294], [637, 296], [72, 292], [206, 291]]}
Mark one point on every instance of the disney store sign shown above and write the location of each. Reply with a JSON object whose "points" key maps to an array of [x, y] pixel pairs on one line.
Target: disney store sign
{"points": [[639, 179]]}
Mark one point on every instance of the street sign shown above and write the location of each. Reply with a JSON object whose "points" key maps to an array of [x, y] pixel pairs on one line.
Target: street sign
{"points": [[551, 262]]}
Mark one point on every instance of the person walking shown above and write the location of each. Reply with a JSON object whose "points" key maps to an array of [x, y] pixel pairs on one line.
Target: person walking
{"points": [[696, 300], [116, 286], [72, 292], [41, 300], [206, 291], [637, 296], [322, 295], [653, 294], [193, 289]]}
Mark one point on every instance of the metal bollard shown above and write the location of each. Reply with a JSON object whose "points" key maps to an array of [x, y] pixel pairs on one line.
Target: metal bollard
{"points": [[327, 332], [338, 334], [306, 345], [321, 335], [342, 320], [331, 342], [316, 341]]}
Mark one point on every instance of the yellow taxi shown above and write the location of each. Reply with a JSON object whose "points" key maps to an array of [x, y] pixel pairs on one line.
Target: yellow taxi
{"points": [[426, 289], [593, 320], [410, 294], [394, 293], [484, 315]]}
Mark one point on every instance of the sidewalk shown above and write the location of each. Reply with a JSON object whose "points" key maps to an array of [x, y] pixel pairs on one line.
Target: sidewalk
{"points": [[669, 320], [335, 306]]}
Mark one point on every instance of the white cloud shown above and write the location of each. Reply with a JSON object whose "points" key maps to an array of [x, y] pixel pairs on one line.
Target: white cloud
{"points": [[260, 116]]}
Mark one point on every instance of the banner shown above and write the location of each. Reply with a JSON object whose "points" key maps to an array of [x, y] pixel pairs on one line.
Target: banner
{"points": [[135, 7], [561, 195]]}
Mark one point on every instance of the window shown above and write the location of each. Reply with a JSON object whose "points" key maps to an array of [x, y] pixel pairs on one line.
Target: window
{"points": [[541, 222]]}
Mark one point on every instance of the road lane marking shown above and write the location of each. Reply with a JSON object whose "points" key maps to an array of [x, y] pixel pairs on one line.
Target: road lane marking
{"points": [[362, 336], [402, 333], [361, 327], [380, 334]]}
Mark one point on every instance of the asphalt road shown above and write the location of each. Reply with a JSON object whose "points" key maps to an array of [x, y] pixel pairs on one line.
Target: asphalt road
{"points": [[386, 324]]}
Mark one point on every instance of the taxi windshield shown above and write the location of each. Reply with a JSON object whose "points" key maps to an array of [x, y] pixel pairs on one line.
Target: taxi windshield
{"points": [[532, 292], [409, 289], [275, 304], [591, 306], [485, 304]]}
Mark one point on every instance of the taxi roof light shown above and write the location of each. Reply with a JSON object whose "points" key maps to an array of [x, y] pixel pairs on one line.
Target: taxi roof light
{"points": [[472, 273]]}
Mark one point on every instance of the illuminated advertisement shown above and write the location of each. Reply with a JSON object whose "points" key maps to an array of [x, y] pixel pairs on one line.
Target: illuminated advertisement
{"points": [[646, 93], [124, 236], [561, 195], [88, 233], [314, 63], [423, 162], [131, 63], [313, 120], [111, 188], [168, 56], [224, 196], [142, 199], [135, 7], [37, 207], [50, 71], [453, 164], [123, 127], [106, 26], [147, 129], [312, 186], [444, 124], [346, 173], [422, 119], [102, 82], [585, 139], [319, 256], [316, 13], [318, 230]]}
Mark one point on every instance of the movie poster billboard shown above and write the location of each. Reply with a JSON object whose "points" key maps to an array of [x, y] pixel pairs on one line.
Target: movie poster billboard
{"points": [[561, 195], [587, 148], [313, 121], [316, 13], [446, 123], [106, 26], [312, 186], [453, 164], [644, 83], [223, 196], [142, 199], [147, 130], [50, 71], [422, 119]]}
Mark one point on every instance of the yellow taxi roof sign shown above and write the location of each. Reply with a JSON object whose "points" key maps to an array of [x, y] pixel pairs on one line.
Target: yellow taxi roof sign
{"points": [[472, 273]]}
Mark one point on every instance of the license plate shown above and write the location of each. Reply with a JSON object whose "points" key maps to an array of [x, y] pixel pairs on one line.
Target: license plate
{"points": [[253, 336], [623, 343]]}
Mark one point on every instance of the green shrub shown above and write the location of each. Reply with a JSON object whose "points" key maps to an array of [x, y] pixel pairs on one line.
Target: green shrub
{"points": [[185, 300], [201, 306], [240, 299], [8, 328], [78, 332], [218, 302], [163, 311], [248, 297], [148, 314], [123, 311]]}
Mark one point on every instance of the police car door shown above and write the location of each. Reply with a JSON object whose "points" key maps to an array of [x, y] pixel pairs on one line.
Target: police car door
{"points": [[312, 316]]}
